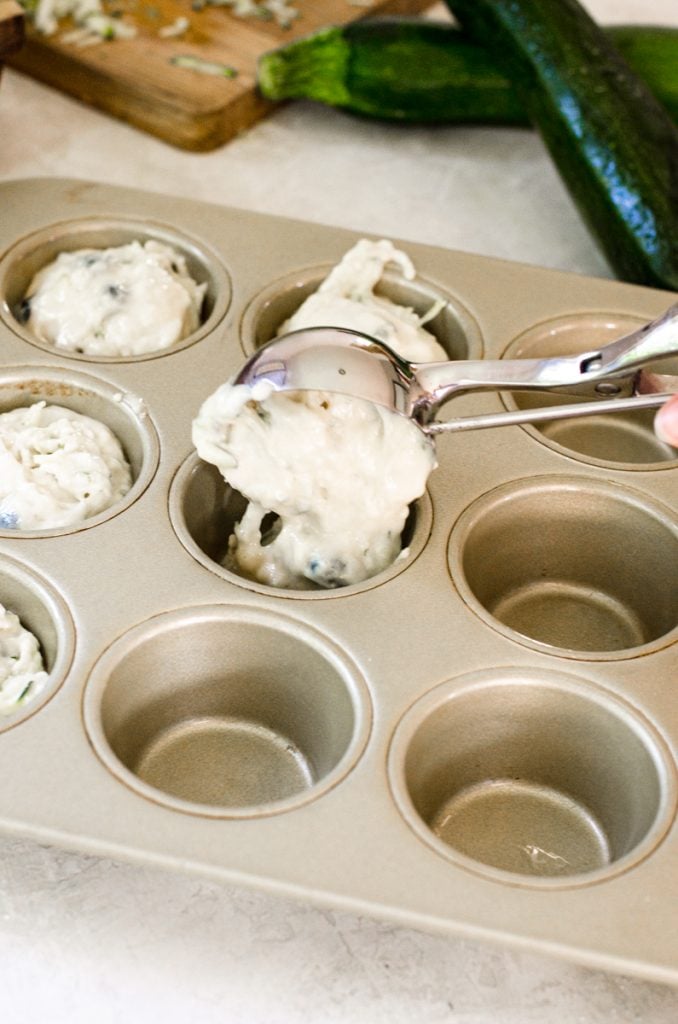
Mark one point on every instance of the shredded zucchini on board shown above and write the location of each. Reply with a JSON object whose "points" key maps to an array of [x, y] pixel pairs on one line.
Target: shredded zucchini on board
{"points": [[206, 67], [94, 24]]}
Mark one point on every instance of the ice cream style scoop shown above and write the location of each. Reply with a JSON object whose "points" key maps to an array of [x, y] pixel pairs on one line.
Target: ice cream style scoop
{"points": [[349, 363]]}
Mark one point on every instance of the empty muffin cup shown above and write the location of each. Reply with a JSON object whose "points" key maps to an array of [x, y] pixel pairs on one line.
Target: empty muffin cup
{"points": [[30, 254], [579, 566], [624, 439], [43, 613], [204, 510], [226, 712], [453, 327], [533, 778], [124, 413]]}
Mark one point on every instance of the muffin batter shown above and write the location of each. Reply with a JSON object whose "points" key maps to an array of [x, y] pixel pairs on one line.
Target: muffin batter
{"points": [[346, 298], [57, 468], [339, 474], [22, 672], [124, 301], [333, 475]]}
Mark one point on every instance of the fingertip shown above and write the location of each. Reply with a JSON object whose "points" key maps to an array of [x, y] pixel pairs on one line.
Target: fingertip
{"points": [[666, 423]]}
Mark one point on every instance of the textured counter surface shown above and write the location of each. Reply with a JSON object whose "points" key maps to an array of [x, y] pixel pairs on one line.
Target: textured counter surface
{"points": [[85, 939]]}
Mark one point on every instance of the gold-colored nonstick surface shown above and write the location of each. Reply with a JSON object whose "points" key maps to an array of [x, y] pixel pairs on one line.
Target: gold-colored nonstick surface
{"points": [[482, 740]]}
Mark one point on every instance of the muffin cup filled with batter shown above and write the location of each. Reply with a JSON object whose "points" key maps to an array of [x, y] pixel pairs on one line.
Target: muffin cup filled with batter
{"points": [[205, 511], [297, 300], [36, 642], [102, 290], [76, 450]]}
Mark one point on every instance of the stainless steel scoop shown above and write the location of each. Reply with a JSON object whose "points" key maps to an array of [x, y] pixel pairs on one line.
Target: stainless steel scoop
{"points": [[338, 360]]}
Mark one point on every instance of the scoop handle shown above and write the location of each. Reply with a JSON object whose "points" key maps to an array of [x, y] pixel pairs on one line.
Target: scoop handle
{"points": [[436, 383], [546, 415]]}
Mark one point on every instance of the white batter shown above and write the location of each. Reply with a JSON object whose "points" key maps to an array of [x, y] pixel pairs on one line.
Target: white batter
{"points": [[333, 476], [22, 672], [57, 468], [123, 301], [346, 298], [339, 473]]}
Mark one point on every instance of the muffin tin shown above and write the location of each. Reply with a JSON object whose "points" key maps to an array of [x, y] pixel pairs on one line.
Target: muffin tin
{"points": [[482, 740]]}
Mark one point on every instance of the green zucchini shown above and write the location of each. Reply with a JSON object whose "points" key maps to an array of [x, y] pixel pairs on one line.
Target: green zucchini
{"points": [[412, 69], [615, 146]]}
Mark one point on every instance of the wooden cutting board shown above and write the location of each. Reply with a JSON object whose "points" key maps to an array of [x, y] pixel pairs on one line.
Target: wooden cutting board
{"points": [[11, 28], [134, 79]]}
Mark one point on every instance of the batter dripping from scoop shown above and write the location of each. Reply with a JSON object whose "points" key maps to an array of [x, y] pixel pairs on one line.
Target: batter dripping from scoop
{"points": [[339, 473]]}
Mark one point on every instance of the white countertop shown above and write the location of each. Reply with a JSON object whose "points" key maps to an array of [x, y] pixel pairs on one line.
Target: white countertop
{"points": [[84, 939]]}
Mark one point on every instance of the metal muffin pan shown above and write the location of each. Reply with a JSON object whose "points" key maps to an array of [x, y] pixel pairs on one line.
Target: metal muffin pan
{"points": [[482, 740]]}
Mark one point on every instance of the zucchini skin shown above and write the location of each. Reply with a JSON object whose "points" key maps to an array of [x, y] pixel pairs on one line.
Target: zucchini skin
{"points": [[415, 70], [393, 68], [613, 143]]}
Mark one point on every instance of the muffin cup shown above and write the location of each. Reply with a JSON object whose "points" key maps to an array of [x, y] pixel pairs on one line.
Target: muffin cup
{"points": [[204, 510], [42, 612], [573, 565], [242, 713], [532, 777], [453, 327], [620, 439], [124, 413], [30, 254]]}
